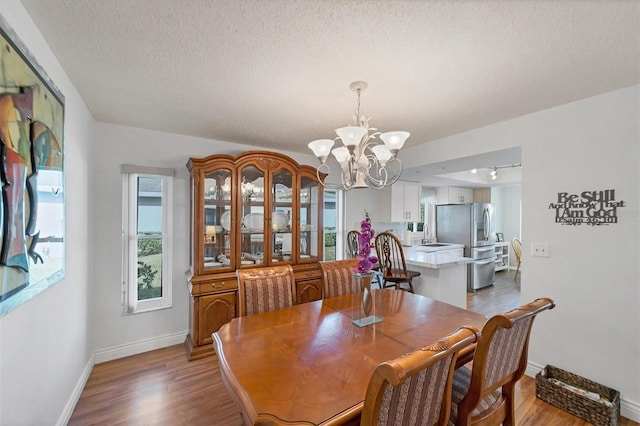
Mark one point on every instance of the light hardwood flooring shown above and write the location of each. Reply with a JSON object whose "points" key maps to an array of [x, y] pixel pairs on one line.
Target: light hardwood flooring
{"points": [[163, 388]]}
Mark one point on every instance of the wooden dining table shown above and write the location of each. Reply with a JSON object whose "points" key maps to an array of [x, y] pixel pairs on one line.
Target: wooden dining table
{"points": [[308, 364]]}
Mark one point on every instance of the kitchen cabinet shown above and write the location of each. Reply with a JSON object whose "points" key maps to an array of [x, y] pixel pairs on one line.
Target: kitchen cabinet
{"points": [[482, 195], [399, 202], [502, 256], [253, 210], [454, 195]]}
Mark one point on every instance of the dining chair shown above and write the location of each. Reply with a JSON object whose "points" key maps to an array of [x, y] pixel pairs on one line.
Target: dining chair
{"points": [[337, 276], [415, 389], [517, 251], [392, 264], [265, 289], [352, 243], [485, 393]]}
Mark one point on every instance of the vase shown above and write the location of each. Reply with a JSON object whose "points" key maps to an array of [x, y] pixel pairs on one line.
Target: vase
{"points": [[367, 304]]}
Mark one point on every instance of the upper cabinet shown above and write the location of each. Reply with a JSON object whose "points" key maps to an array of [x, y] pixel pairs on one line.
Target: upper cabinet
{"points": [[399, 202], [454, 195], [482, 195], [259, 208]]}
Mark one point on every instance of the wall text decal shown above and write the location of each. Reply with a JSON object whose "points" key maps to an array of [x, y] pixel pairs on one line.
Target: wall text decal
{"points": [[590, 207]]}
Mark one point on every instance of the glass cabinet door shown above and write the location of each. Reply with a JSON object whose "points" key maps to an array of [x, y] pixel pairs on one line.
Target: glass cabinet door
{"points": [[252, 210], [217, 219], [309, 219], [281, 216]]}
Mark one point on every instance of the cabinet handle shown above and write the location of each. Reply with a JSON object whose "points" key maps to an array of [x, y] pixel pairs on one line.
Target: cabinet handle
{"points": [[308, 273], [218, 285]]}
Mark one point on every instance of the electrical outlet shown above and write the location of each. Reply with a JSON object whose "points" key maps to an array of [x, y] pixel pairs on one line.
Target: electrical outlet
{"points": [[540, 249]]}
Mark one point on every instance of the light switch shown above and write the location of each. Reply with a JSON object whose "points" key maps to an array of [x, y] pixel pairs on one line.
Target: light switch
{"points": [[540, 249]]}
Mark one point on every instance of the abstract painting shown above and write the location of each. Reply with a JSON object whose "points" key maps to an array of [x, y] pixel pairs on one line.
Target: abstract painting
{"points": [[32, 237]]}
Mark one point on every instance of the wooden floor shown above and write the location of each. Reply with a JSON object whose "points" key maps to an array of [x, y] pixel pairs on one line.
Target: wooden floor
{"points": [[163, 388]]}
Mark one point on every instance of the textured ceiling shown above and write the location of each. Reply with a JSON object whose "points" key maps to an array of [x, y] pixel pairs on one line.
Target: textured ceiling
{"points": [[276, 73]]}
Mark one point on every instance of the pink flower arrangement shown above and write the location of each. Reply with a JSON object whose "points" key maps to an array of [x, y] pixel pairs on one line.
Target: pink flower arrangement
{"points": [[365, 259]]}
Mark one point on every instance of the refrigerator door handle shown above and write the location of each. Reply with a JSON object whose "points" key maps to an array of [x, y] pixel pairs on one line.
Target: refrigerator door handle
{"points": [[477, 262], [485, 227]]}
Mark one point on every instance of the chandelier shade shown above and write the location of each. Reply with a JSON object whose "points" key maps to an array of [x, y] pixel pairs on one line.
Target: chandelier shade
{"points": [[365, 161]]}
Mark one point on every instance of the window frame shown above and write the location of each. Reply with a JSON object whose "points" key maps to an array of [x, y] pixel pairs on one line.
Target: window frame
{"points": [[130, 237]]}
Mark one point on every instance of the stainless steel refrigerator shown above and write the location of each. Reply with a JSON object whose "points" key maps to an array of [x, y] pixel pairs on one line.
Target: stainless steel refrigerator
{"points": [[470, 224]]}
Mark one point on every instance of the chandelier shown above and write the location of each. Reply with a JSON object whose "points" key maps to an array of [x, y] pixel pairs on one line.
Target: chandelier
{"points": [[365, 161]]}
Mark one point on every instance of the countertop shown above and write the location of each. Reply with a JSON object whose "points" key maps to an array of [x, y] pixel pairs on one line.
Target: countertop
{"points": [[435, 257]]}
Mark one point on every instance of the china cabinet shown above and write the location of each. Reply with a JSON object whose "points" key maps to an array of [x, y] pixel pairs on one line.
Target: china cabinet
{"points": [[252, 210]]}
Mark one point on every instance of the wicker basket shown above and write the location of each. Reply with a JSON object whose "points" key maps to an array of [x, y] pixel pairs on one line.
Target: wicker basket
{"points": [[592, 411]]}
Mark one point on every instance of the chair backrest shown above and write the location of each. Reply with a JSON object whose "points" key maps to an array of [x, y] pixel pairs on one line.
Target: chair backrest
{"points": [[352, 243], [416, 388], [390, 255], [516, 245], [265, 289], [337, 277], [501, 354]]}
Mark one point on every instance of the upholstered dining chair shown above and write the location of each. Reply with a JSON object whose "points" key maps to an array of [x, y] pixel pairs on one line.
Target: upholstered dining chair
{"points": [[337, 277], [516, 245], [484, 394], [352, 243], [392, 264], [415, 389], [265, 289]]}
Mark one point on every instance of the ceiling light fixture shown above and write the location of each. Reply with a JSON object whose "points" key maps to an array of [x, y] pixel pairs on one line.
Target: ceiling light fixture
{"points": [[365, 161], [494, 172]]}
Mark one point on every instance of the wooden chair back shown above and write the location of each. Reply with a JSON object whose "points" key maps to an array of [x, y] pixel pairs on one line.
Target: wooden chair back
{"points": [[352, 244], [337, 277], [265, 289], [391, 261], [415, 389], [516, 245], [485, 394]]}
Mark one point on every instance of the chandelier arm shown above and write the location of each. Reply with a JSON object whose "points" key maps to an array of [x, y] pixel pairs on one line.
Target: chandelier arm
{"points": [[326, 185], [389, 178]]}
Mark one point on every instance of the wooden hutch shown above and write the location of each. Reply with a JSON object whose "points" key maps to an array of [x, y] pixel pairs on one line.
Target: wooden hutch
{"points": [[256, 209]]}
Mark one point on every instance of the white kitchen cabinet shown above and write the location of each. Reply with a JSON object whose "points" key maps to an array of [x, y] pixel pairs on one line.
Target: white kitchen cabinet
{"points": [[454, 195], [399, 203], [502, 256]]}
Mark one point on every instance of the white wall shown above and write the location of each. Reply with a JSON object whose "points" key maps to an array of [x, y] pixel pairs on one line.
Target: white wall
{"points": [[44, 343], [592, 272], [115, 334]]}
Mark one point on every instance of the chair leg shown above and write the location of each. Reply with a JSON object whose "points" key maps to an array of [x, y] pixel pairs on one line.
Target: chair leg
{"points": [[411, 286], [515, 277], [508, 392]]}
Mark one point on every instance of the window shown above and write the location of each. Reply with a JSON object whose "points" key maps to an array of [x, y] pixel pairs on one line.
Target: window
{"points": [[146, 236], [332, 224]]}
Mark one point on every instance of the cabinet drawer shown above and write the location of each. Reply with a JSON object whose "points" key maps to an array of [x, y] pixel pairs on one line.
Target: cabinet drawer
{"points": [[215, 286], [308, 275]]}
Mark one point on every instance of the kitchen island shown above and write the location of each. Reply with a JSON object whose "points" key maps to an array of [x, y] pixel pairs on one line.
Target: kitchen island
{"points": [[443, 271]]}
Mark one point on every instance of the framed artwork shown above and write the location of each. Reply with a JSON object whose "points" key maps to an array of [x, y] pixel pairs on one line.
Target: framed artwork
{"points": [[499, 237], [32, 207]]}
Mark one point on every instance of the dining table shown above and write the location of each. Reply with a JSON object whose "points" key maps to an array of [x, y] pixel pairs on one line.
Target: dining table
{"points": [[309, 364]]}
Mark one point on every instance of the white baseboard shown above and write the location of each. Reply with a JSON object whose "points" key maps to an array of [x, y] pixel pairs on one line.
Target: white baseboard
{"points": [[628, 409], [77, 391], [115, 352], [141, 346]]}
